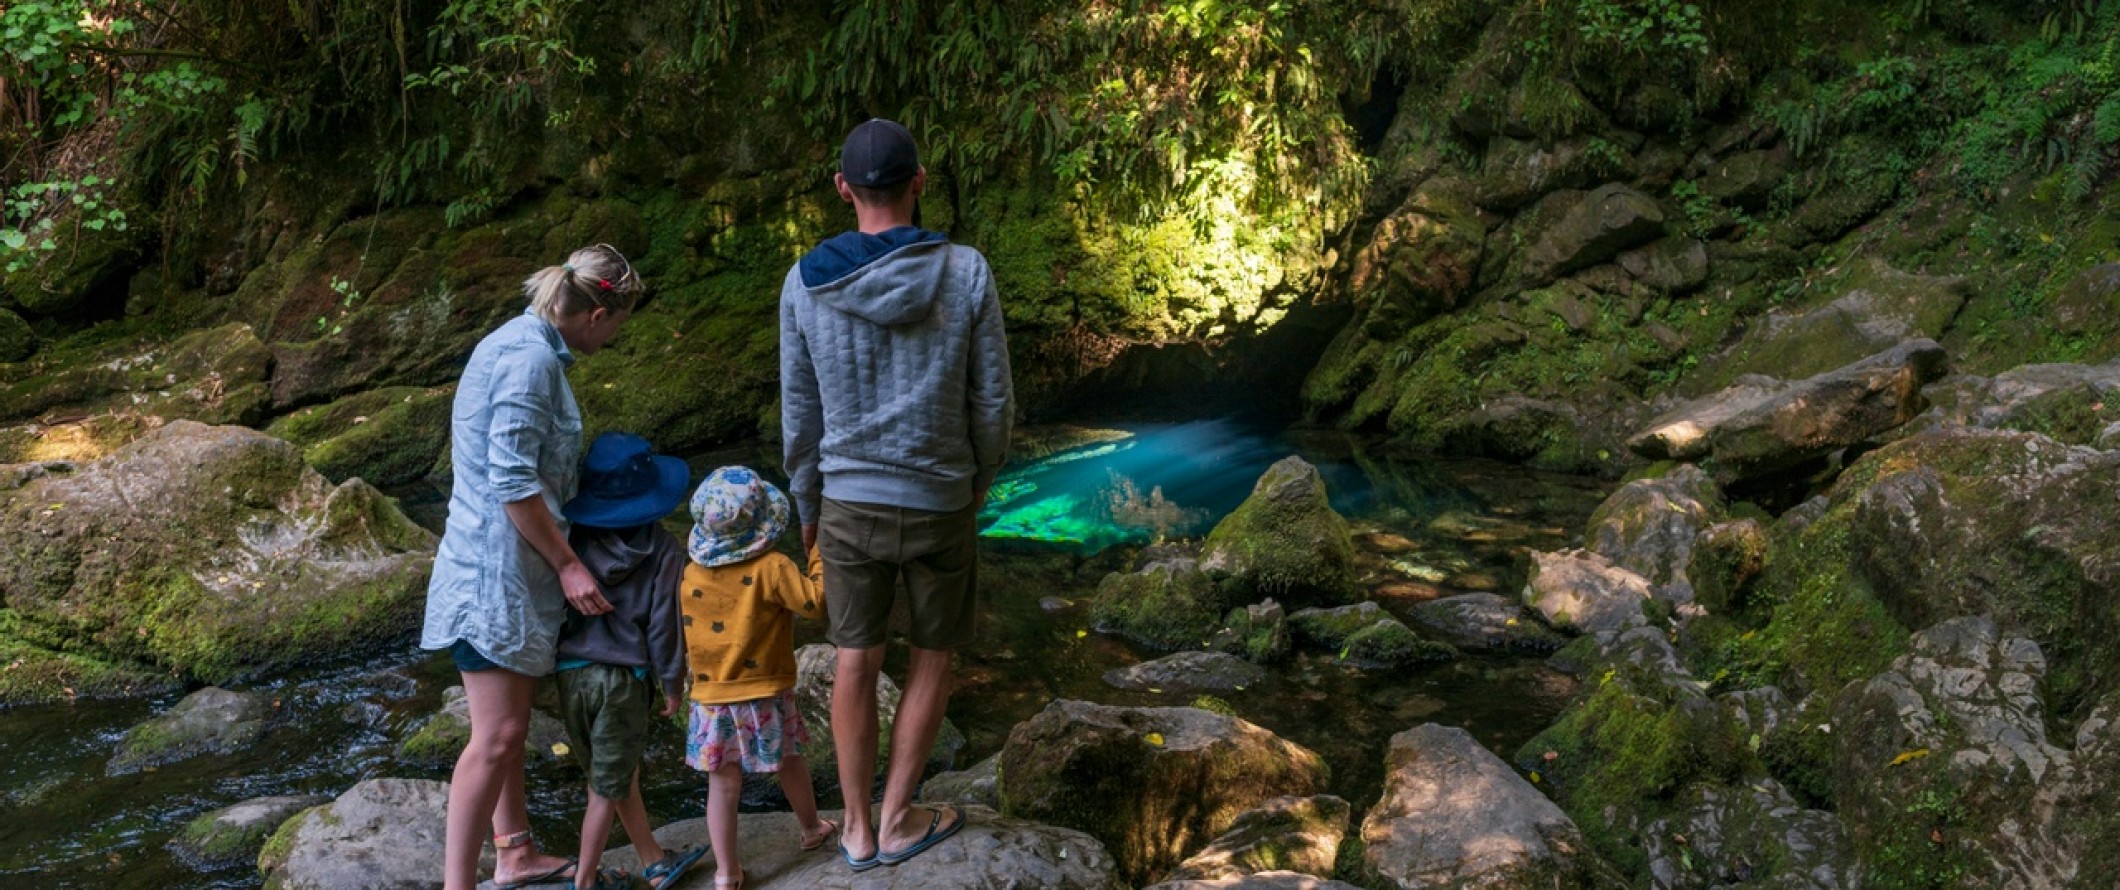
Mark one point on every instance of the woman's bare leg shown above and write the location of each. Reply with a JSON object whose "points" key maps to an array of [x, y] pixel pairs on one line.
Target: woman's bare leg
{"points": [[486, 791]]}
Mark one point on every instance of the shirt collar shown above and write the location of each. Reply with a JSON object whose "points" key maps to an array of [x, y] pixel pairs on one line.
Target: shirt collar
{"points": [[552, 337]]}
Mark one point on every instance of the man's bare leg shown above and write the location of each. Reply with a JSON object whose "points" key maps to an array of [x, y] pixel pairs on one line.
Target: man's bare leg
{"points": [[920, 711], [854, 742]]}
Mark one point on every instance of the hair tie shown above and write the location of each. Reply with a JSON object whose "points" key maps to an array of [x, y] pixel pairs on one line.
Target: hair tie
{"points": [[603, 283], [568, 268]]}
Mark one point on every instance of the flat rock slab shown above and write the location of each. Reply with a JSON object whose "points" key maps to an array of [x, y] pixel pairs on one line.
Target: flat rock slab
{"points": [[991, 853], [1268, 880], [1454, 815], [1188, 672], [1485, 621], [382, 834]]}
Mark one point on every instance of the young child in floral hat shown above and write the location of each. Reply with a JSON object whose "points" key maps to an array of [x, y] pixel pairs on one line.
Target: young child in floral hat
{"points": [[738, 596]]}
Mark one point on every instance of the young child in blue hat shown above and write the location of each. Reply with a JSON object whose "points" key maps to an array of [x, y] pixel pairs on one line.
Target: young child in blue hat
{"points": [[610, 665], [739, 597]]}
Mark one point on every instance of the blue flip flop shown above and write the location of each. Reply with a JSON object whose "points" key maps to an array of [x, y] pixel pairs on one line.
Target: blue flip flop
{"points": [[936, 834], [858, 865], [666, 872]]}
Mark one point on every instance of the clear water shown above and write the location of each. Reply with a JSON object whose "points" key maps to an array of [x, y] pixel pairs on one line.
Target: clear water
{"points": [[1054, 528]]}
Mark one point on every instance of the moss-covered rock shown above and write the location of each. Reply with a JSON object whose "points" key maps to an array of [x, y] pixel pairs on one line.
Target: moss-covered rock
{"points": [[33, 675], [1486, 621], [234, 835], [1330, 628], [218, 375], [1581, 591], [85, 266], [17, 340], [1299, 834], [440, 739], [1151, 783], [74, 442], [209, 721], [1390, 644], [1285, 539], [209, 552], [386, 437], [1725, 559], [1608, 220], [1876, 308], [1168, 604], [1754, 830], [1258, 632], [380, 833], [1650, 525]]}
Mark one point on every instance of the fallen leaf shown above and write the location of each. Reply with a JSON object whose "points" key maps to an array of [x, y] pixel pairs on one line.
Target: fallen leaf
{"points": [[1079, 634], [1935, 835], [1534, 777], [1154, 738], [1906, 757], [560, 749], [1552, 756], [1510, 623]]}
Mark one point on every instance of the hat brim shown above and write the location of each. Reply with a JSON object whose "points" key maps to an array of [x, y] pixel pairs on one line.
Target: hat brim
{"points": [[673, 481]]}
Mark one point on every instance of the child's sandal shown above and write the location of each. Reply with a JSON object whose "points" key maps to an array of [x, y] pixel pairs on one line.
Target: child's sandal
{"points": [[815, 841], [608, 879]]}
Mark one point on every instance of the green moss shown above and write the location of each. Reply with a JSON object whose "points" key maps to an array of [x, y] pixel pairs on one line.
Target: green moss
{"points": [[33, 674], [438, 742], [17, 340], [1162, 607], [2075, 415], [1389, 643], [1285, 539], [388, 437], [273, 855], [1331, 628], [1214, 705]]}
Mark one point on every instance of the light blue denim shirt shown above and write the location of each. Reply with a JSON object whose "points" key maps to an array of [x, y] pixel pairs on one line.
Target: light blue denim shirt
{"points": [[516, 433]]}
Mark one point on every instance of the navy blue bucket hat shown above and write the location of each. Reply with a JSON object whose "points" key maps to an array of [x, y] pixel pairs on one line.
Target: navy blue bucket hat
{"points": [[625, 483]]}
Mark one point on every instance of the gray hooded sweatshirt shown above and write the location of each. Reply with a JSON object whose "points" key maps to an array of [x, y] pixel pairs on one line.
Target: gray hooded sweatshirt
{"points": [[894, 378]]}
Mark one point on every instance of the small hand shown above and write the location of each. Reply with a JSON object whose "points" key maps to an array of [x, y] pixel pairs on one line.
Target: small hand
{"points": [[670, 703], [809, 537], [582, 592]]}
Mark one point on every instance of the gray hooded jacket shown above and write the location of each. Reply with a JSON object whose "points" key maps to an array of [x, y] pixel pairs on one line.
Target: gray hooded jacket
{"points": [[894, 381]]}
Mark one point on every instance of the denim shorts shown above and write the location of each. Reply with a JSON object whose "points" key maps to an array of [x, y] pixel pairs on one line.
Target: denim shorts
{"points": [[468, 659]]}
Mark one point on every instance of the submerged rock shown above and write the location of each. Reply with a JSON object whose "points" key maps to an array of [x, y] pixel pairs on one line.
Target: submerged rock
{"points": [[211, 552], [1486, 621], [209, 721], [1650, 525], [1762, 426], [1187, 672], [382, 834], [1167, 604], [233, 835], [1285, 539], [991, 851], [1293, 834], [1153, 783], [1455, 815], [1584, 592], [439, 740]]}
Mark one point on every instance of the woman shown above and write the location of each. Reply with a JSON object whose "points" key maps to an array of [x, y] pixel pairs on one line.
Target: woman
{"points": [[505, 575]]}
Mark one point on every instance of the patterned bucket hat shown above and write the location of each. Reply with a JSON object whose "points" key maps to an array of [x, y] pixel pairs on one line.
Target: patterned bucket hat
{"points": [[735, 516]]}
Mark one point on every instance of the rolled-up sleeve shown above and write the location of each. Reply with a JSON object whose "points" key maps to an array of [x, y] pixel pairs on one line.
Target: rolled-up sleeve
{"points": [[522, 403]]}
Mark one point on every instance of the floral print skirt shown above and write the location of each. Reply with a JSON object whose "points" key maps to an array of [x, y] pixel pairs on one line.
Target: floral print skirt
{"points": [[755, 733]]}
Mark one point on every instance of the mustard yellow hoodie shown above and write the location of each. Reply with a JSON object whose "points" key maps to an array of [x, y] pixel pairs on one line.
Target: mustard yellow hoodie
{"points": [[739, 639]]}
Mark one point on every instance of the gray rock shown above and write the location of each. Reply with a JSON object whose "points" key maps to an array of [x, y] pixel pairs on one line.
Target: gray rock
{"points": [[1296, 834], [1584, 592], [1672, 265], [1726, 558], [1330, 628], [991, 852], [1649, 526], [978, 784], [1757, 711], [1152, 783], [442, 737], [1258, 632], [1762, 426], [1881, 308], [1610, 219], [382, 834], [233, 835], [1516, 173], [1746, 179], [1265, 880], [1454, 815], [2071, 403], [210, 721], [1485, 621], [2090, 299], [1188, 672], [815, 667], [1284, 539], [1753, 836]]}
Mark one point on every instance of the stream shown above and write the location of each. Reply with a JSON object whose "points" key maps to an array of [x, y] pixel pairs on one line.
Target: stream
{"points": [[1425, 527]]}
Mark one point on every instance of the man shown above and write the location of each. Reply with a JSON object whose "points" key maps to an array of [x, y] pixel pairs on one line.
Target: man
{"points": [[895, 410]]}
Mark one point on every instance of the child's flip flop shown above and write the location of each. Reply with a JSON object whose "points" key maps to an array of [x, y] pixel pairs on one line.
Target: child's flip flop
{"points": [[812, 842], [606, 879], [936, 833], [672, 867]]}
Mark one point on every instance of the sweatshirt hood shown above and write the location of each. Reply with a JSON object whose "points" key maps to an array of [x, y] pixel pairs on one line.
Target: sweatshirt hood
{"points": [[615, 556], [891, 278]]}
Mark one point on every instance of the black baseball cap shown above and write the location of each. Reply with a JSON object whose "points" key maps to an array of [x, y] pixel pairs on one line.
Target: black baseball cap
{"points": [[879, 153]]}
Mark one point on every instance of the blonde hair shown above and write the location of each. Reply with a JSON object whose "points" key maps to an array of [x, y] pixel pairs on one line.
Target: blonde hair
{"points": [[594, 277]]}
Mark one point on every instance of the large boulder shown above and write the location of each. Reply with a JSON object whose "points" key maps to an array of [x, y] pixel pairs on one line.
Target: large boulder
{"points": [[990, 852], [1166, 604], [1880, 308], [1649, 526], [1746, 179], [1584, 592], [209, 721], [218, 375], [1671, 266], [382, 834], [1187, 672], [1752, 835], [1285, 539], [1421, 260], [1388, 643], [1945, 752], [1298, 834], [2070, 403], [1610, 219], [210, 552], [1517, 172], [441, 738], [1152, 783], [1455, 815], [1762, 426], [233, 835], [1487, 622], [816, 674], [388, 437]]}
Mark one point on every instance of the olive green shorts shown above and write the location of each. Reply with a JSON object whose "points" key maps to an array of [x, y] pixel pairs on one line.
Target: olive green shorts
{"points": [[869, 548], [608, 711]]}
